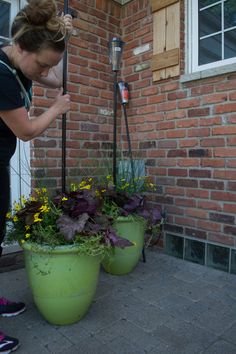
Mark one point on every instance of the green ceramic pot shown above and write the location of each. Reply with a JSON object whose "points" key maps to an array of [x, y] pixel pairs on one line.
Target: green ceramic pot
{"points": [[63, 282], [123, 261]]}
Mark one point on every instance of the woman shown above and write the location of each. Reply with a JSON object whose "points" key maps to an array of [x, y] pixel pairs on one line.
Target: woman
{"points": [[38, 44]]}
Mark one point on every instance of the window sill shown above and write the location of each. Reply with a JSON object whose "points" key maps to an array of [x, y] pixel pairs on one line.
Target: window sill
{"points": [[208, 73]]}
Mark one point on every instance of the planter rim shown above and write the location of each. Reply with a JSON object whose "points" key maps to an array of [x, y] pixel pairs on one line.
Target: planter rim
{"points": [[131, 218], [32, 246]]}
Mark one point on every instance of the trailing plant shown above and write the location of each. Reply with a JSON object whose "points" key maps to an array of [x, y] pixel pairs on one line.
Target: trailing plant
{"points": [[129, 198], [75, 217]]}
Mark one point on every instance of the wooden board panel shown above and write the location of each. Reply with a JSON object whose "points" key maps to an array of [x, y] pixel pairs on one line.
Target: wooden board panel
{"points": [[159, 38], [165, 59], [173, 35], [160, 4]]}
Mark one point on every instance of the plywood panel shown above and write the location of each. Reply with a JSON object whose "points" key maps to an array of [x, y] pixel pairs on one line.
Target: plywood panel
{"points": [[160, 4], [165, 59], [159, 38], [173, 34]]}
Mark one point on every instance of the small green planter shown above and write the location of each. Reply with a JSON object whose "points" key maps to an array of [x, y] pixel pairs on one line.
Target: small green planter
{"points": [[123, 261], [63, 282]]}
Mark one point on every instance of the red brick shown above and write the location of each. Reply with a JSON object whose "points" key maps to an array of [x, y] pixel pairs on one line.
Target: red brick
{"points": [[197, 213], [208, 225], [214, 98], [224, 174], [225, 108], [209, 205], [220, 238], [194, 102], [197, 193], [224, 130]]}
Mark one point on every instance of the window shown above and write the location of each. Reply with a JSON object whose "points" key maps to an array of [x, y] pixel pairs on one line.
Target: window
{"points": [[20, 171], [212, 33], [8, 10]]}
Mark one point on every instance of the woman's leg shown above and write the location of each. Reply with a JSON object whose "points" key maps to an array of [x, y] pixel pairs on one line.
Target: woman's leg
{"points": [[4, 199], [7, 308]]}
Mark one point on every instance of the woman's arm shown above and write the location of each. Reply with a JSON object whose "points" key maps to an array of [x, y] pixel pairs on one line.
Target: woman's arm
{"points": [[27, 128], [54, 78]]}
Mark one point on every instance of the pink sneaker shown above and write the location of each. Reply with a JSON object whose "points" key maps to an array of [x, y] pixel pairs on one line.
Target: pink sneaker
{"points": [[8, 344], [8, 308]]}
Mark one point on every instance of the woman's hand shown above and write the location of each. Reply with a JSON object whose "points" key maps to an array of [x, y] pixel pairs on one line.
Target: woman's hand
{"points": [[61, 103], [68, 23]]}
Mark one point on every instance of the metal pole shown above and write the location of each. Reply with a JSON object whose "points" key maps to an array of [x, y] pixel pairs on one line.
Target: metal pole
{"points": [[63, 172], [128, 140], [114, 128]]}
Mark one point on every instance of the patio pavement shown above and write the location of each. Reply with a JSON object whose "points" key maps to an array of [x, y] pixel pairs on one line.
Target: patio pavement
{"points": [[165, 306]]}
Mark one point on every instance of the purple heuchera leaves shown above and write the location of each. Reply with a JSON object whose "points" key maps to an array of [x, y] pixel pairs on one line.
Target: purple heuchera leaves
{"points": [[78, 202], [81, 216], [111, 238], [69, 227]]}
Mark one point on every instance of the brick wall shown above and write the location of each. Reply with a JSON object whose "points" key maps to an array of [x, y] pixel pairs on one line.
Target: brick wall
{"points": [[90, 83], [185, 132]]}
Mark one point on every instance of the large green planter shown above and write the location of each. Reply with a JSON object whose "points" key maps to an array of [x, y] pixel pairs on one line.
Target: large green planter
{"points": [[123, 261], [63, 282]]}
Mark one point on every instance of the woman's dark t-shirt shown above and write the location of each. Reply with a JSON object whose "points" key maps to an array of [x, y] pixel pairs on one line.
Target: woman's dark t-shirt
{"points": [[10, 98]]}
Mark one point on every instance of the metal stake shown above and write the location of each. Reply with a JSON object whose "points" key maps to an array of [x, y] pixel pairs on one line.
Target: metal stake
{"points": [[63, 146]]}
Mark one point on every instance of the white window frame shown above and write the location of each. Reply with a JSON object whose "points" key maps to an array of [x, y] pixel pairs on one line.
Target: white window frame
{"points": [[15, 5], [192, 40], [20, 163]]}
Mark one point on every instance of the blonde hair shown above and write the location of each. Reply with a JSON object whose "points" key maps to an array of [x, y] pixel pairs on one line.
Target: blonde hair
{"points": [[37, 26]]}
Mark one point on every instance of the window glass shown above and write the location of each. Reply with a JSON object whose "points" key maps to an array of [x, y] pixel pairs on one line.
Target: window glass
{"points": [[230, 44], [5, 8], [229, 14], [210, 20], [203, 3], [210, 50], [212, 33]]}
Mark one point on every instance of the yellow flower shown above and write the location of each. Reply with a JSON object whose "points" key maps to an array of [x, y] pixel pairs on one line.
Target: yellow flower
{"points": [[8, 215], [23, 200], [37, 218], [27, 227], [82, 183], [27, 235], [15, 218], [32, 199], [88, 186], [44, 190], [22, 241], [64, 199], [17, 206], [44, 209]]}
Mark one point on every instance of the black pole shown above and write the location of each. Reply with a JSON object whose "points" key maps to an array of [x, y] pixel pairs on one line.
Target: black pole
{"points": [[128, 140], [115, 127], [63, 147]]}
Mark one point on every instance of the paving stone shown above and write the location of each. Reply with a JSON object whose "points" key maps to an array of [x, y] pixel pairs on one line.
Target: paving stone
{"points": [[221, 347], [136, 335], [165, 306], [230, 334]]}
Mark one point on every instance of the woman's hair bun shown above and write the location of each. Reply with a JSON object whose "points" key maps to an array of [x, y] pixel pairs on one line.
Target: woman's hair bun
{"points": [[39, 12]]}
